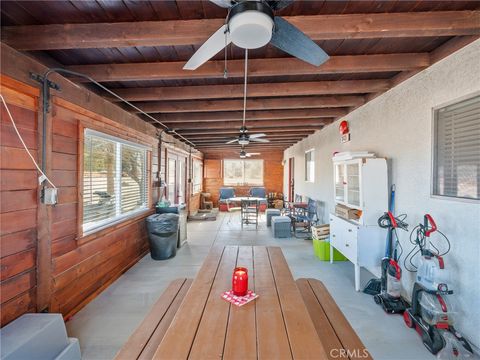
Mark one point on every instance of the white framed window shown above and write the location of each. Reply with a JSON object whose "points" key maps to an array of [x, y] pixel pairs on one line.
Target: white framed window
{"points": [[242, 172], [456, 150], [114, 180], [197, 176], [310, 165]]}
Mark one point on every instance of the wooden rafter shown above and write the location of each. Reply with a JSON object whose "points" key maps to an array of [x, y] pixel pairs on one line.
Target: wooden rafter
{"points": [[254, 90], [257, 67], [251, 115], [253, 104], [188, 32], [252, 124]]}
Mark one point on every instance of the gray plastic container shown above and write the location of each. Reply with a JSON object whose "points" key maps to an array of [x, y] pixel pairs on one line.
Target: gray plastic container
{"points": [[163, 235]]}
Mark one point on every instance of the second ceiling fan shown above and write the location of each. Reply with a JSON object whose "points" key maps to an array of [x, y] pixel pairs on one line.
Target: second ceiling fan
{"points": [[251, 24]]}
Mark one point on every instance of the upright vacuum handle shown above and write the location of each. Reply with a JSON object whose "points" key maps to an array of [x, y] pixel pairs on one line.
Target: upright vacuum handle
{"points": [[428, 219]]}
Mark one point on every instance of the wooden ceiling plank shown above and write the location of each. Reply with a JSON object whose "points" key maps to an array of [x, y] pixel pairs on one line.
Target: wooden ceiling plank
{"points": [[189, 32], [257, 67], [221, 116], [252, 125], [254, 90], [252, 104], [205, 132]]}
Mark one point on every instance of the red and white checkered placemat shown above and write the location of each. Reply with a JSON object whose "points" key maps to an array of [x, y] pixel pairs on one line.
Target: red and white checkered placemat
{"points": [[238, 300]]}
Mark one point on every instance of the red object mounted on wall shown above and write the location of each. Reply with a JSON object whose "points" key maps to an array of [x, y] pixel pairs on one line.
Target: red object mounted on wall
{"points": [[344, 127]]}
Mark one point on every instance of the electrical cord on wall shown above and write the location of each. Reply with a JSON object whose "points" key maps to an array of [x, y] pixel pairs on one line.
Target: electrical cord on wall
{"points": [[43, 177]]}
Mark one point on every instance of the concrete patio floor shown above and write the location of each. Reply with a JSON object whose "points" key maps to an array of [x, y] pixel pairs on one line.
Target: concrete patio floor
{"points": [[106, 323]]}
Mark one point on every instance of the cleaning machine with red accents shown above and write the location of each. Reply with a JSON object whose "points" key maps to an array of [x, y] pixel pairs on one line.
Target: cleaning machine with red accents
{"points": [[433, 310]]}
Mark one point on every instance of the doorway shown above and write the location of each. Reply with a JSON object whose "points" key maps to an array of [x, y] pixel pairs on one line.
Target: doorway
{"points": [[291, 179], [176, 178]]}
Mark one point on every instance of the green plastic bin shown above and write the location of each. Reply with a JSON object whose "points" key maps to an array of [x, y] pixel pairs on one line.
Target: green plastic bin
{"points": [[321, 248]]}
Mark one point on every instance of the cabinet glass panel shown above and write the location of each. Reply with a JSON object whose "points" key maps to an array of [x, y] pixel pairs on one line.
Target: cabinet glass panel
{"points": [[353, 184], [340, 182]]}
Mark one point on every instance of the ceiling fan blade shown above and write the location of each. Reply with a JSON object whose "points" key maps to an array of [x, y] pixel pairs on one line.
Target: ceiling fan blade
{"points": [[290, 39], [252, 154], [231, 141], [209, 49], [222, 3], [253, 136], [259, 140], [279, 4]]}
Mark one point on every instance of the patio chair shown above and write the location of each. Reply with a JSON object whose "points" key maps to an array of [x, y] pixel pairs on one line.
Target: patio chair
{"points": [[250, 210], [225, 194], [307, 217], [260, 192]]}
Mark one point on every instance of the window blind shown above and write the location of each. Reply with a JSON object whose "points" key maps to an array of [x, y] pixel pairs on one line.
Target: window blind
{"points": [[457, 150], [114, 180]]}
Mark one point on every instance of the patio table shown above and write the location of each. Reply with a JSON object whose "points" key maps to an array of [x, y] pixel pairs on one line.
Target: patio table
{"points": [[276, 325]]}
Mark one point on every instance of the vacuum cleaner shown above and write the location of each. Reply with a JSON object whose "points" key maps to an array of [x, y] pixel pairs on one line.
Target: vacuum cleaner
{"points": [[390, 284], [432, 311]]}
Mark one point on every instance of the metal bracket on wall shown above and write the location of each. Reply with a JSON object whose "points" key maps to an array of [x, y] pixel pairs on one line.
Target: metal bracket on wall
{"points": [[49, 85]]}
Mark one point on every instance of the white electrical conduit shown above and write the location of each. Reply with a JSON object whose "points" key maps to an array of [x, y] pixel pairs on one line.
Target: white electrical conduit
{"points": [[43, 177]]}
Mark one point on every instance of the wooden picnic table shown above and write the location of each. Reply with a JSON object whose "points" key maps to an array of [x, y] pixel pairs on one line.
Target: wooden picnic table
{"points": [[276, 325]]}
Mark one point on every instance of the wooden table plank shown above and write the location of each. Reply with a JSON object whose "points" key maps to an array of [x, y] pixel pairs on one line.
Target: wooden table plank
{"points": [[136, 343], [178, 340], [210, 338], [157, 336], [272, 338], [303, 338], [324, 330], [241, 339]]}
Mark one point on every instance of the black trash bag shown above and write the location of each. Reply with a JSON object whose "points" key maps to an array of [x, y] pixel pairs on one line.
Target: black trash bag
{"points": [[163, 235]]}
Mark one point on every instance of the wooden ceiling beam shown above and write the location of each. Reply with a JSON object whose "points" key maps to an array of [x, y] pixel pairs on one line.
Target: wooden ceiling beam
{"points": [[190, 32], [175, 118], [307, 102], [230, 132], [215, 135], [256, 67], [272, 139], [252, 125], [254, 90]]}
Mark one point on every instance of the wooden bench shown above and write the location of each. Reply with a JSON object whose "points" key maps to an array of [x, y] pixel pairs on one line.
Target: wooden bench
{"points": [[143, 343], [337, 335]]}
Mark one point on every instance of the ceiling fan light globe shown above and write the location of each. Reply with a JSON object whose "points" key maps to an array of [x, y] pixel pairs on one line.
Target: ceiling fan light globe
{"points": [[251, 29], [243, 141]]}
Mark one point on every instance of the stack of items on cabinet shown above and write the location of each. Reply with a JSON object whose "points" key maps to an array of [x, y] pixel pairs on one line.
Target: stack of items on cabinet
{"points": [[275, 200], [321, 243], [361, 197]]}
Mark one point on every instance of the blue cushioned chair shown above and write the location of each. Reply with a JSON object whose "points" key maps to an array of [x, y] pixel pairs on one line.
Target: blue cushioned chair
{"points": [[260, 192], [225, 194]]}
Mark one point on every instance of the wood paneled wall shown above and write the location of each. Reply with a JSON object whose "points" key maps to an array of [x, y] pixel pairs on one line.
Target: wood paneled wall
{"points": [[19, 194], [78, 266], [213, 173]]}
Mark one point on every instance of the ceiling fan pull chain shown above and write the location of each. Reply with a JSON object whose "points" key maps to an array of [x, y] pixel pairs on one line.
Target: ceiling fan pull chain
{"points": [[245, 88]]}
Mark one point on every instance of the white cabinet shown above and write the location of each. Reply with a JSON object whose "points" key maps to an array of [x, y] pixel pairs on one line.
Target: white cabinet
{"points": [[362, 245], [362, 184]]}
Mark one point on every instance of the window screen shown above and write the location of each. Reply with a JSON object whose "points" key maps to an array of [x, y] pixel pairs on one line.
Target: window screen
{"points": [[197, 176], [310, 165], [457, 150], [243, 172], [114, 179]]}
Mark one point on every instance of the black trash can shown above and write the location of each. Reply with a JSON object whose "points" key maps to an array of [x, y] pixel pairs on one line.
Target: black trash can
{"points": [[163, 235], [181, 210]]}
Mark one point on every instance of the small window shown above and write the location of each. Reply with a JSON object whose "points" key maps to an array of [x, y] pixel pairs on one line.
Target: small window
{"points": [[310, 166], [197, 176], [456, 163], [114, 180], [243, 172]]}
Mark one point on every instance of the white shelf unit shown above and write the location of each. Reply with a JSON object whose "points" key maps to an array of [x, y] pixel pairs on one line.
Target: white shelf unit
{"points": [[360, 184]]}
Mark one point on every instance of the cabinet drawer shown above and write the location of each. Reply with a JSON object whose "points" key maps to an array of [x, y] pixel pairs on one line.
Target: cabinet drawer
{"points": [[344, 237]]}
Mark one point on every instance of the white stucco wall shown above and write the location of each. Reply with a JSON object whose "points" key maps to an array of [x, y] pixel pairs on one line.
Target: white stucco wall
{"points": [[397, 125]]}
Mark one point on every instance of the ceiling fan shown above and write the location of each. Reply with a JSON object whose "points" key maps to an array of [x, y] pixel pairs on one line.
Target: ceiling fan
{"points": [[244, 154], [244, 139], [251, 24]]}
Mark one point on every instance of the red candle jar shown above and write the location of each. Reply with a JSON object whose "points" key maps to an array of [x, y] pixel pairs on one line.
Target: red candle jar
{"points": [[240, 281]]}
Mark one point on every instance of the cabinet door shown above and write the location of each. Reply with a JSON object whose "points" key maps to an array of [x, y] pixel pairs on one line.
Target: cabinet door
{"points": [[340, 183], [353, 196]]}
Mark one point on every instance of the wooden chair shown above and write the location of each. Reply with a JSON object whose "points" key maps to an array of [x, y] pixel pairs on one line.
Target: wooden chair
{"points": [[250, 209], [143, 343], [334, 330]]}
